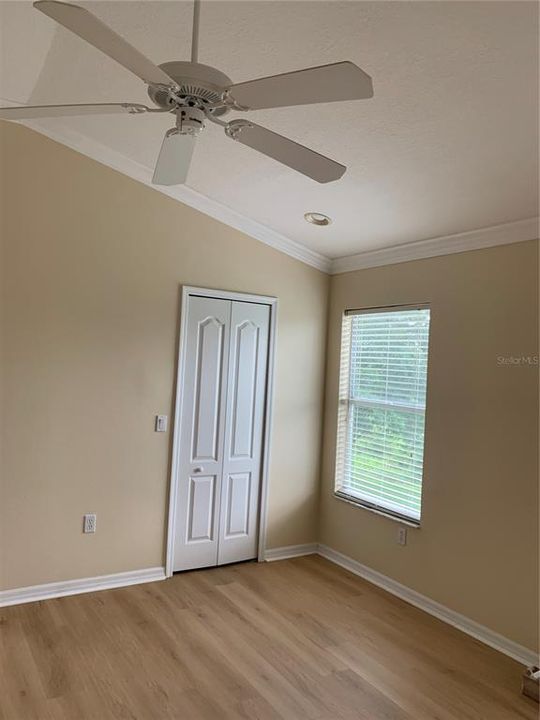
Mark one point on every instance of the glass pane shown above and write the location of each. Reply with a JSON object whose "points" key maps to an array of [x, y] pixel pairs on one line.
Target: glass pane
{"points": [[389, 356], [382, 435], [384, 456]]}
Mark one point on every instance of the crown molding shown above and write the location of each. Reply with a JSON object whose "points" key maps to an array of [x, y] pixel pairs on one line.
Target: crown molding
{"points": [[136, 171], [505, 234]]}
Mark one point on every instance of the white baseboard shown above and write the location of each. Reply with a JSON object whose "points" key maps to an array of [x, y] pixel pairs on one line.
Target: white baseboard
{"points": [[290, 551], [82, 585], [489, 637], [480, 632]]}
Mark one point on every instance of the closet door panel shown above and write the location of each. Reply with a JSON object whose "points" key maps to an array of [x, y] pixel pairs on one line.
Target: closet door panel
{"points": [[246, 395], [202, 433]]}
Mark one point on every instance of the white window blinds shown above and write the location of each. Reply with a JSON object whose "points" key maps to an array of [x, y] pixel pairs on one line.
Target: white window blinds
{"points": [[382, 408]]}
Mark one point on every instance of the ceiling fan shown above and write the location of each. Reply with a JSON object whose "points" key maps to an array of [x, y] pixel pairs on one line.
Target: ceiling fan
{"points": [[194, 93]]}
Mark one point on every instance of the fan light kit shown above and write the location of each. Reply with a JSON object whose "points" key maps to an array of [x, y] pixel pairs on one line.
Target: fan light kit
{"points": [[195, 93], [316, 218]]}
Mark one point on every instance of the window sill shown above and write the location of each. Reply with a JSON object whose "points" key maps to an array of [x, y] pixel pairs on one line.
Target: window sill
{"points": [[388, 515]]}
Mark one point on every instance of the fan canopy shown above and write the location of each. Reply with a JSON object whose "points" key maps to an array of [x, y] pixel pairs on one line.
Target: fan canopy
{"points": [[198, 84]]}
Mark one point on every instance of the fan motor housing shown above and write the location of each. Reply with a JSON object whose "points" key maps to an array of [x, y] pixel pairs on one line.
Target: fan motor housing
{"points": [[199, 86], [190, 120]]}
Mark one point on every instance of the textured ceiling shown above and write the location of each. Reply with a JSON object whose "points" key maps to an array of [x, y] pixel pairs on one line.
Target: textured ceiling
{"points": [[448, 144]]}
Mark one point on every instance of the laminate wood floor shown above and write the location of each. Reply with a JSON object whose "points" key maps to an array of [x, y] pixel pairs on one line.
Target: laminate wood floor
{"points": [[297, 639]]}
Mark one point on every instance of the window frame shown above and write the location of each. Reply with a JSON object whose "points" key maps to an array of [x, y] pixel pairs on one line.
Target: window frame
{"points": [[344, 402]]}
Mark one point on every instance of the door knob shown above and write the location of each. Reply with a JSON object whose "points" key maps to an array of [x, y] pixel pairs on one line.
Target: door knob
{"points": [[198, 469]]}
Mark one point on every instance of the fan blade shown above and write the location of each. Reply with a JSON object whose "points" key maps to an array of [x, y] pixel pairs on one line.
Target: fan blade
{"points": [[90, 28], [174, 159], [327, 83], [26, 112], [285, 151]]}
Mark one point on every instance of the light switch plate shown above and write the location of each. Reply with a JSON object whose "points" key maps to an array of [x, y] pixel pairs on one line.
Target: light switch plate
{"points": [[161, 423], [402, 536]]}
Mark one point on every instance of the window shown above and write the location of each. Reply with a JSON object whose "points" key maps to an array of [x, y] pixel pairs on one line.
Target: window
{"points": [[382, 402]]}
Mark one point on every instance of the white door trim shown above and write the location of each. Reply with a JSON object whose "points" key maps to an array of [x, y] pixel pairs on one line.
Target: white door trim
{"points": [[189, 291]]}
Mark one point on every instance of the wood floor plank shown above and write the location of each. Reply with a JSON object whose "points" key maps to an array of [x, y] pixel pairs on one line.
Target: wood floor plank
{"points": [[298, 639]]}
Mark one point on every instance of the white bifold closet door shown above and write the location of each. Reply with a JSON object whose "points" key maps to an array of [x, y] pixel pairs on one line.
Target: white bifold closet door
{"points": [[221, 432]]}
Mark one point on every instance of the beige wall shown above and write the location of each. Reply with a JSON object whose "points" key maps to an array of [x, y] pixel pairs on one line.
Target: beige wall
{"points": [[92, 268], [477, 549]]}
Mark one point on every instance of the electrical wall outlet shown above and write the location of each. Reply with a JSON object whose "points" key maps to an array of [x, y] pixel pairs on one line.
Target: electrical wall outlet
{"points": [[89, 524], [402, 536]]}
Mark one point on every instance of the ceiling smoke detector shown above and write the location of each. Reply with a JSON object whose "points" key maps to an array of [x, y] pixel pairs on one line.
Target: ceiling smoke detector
{"points": [[316, 218]]}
